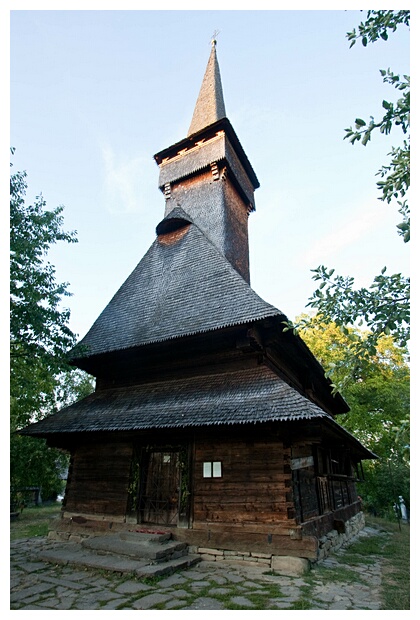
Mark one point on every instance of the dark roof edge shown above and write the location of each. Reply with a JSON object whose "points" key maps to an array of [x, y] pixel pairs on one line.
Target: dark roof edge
{"points": [[73, 360], [177, 218], [364, 452], [222, 124], [369, 454], [29, 430]]}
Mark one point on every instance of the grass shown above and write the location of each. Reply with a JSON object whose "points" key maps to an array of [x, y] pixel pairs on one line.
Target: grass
{"points": [[396, 568], [337, 574], [35, 521], [393, 547], [260, 600]]}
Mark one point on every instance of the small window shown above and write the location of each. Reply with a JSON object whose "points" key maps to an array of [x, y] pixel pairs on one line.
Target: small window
{"points": [[207, 470], [212, 469]]}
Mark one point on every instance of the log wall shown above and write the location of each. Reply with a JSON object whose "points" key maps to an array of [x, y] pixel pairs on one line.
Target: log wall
{"points": [[255, 487], [98, 479]]}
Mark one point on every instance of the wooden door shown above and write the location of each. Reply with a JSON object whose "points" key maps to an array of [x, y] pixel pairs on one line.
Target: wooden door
{"points": [[160, 493]]}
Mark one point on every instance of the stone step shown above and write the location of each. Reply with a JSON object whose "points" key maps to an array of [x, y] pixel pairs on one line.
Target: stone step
{"points": [[166, 568], [74, 554], [136, 547], [145, 535]]}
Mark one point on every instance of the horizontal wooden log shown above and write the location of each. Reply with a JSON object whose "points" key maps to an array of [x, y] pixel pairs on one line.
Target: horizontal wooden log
{"points": [[237, 516], [250, 542], [98, 479], [239, 463], [240, 452], [96, 508], [282, 528], [241, 500], [81, 521], [244, 501], [214, 487]]}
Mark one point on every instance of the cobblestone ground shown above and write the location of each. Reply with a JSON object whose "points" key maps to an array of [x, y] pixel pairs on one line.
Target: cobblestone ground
{"points": [[208, 585]]}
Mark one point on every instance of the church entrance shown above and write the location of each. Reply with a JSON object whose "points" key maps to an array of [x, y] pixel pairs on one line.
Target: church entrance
{"points": [[157, 485], [160, 501]]}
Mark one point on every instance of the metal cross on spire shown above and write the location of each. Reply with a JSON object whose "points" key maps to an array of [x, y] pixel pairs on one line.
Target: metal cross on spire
{"points": [[214, 37]]}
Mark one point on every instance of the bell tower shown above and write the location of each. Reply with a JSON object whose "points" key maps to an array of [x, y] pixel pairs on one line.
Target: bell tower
{"points": [[209, 176]]}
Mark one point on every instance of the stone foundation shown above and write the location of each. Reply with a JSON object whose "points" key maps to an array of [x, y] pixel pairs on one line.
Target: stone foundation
{"points": [[59, 536], [283, 564], [332, 541], [343, 535]]}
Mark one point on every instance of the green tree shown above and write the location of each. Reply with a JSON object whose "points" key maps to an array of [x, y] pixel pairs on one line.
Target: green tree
{"points": [[32, 462], [379, 400], [41, 381], [39, 332], [395, 174], [384, 307]]}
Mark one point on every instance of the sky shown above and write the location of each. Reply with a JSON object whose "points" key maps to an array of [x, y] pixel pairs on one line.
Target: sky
{"points": [[94, 94]]}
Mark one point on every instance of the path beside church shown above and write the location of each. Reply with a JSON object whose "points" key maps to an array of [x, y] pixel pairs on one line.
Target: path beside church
{"points": [[208, 585]]}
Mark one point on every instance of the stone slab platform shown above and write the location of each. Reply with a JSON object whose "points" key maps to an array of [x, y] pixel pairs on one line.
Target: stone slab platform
{"points": [[74, 554], [137, 547], [37, 585]]}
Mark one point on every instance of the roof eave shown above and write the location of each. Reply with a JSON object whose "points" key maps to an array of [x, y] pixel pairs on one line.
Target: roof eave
{"points": [[220, 125]]}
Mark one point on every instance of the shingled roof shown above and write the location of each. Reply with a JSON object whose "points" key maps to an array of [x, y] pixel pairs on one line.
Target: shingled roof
{"points": [[210, 106], [182, 286], [238, 397], [250, 396]]}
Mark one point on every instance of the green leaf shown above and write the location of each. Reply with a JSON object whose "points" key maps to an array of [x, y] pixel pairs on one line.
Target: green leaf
{"points": [[366, 138]]}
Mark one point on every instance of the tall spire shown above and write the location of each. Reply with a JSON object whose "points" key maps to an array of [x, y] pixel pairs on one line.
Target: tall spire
{"points": [[207, 175], [210, 106]]}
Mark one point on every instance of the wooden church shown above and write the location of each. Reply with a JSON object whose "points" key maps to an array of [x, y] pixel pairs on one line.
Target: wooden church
{"points": [[208, 419]]}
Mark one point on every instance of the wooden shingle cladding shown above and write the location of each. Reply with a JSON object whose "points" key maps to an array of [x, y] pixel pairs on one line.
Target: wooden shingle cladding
{"points": [[252, 395], [177, 290], [218, 128], [212, 201], [194, 159], [210, 105]]}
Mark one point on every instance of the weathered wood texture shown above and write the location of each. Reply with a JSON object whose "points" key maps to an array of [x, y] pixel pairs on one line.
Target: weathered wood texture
{"points": [[321, 492], [254, 487], [304, 484], [324, 524], [98, 479], [250, 541]]}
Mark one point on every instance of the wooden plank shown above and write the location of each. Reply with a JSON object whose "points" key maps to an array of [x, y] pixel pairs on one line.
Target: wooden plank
{"points": [[301, 462]]}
